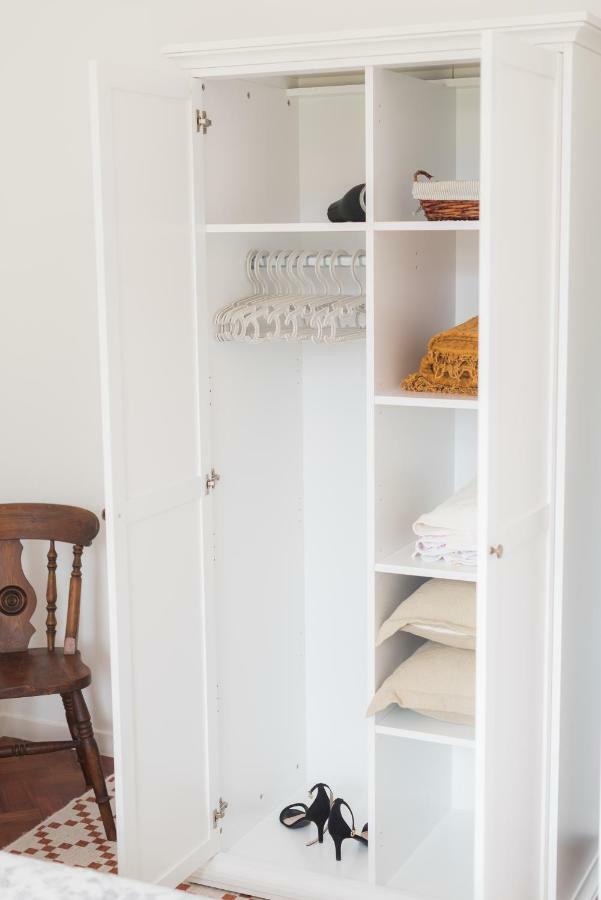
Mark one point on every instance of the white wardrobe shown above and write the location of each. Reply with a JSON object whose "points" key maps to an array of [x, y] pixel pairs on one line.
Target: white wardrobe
{"points": [[244, 612]]}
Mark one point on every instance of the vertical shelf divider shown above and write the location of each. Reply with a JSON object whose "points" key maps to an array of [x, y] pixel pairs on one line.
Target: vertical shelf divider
{"points": [[370, 177]]}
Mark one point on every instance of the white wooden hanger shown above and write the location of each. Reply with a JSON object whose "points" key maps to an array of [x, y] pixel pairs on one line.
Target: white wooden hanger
{"points": [[297, 296]]}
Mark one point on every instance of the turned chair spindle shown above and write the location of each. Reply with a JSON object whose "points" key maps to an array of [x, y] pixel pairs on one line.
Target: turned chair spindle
{"points": [[74, 601], [26, 672], [51, 598]]}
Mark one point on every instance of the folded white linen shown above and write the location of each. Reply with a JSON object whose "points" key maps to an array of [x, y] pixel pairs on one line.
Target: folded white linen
{"points": [[457, 557], [448, 532]]}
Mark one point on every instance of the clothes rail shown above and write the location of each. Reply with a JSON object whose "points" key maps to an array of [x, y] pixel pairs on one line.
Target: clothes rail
{"points": [[344, 261]]}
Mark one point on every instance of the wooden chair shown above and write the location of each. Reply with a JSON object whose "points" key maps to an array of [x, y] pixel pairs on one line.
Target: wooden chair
{"points": [[48, 670]]}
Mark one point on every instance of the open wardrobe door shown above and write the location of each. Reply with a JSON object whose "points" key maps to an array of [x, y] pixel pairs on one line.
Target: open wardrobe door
{"points": [[151, 358], [519, 197]]}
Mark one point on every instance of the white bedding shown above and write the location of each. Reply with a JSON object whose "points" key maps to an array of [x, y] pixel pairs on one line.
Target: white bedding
{"points": [[22, 877], [448, 532]]}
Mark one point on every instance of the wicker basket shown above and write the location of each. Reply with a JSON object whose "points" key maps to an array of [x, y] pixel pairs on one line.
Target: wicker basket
{"points": [[439, 210]]}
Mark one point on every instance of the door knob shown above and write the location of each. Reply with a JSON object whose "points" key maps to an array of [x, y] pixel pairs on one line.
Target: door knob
{"points": [[496, 551]]}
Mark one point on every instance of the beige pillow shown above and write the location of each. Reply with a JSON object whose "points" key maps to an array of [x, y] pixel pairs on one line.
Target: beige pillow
{"points": [[437, 681], [439, 610]]}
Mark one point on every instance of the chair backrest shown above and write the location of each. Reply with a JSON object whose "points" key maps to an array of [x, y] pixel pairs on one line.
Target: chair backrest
{"points": [[49, 522]]}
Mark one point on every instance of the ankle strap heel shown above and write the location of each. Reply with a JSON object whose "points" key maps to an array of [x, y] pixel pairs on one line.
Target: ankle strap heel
{"points": [[340, 830], [299, 815]]}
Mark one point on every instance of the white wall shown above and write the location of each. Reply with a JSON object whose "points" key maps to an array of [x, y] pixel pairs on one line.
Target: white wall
{"points": [[49, 399]]}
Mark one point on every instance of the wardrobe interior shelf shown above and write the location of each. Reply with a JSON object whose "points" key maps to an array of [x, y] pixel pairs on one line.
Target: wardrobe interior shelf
{"points": [[302, 227], [284, 227], [268, 844], [426, 225], [402, 562], [405, 723], [400, 397], [441, 866]]}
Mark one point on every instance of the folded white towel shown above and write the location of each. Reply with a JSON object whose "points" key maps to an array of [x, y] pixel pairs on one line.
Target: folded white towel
{"points": [[435, 554], [449, 532], [446, 190]]}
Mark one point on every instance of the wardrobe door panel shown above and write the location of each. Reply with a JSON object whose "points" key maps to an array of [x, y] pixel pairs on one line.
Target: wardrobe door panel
{"points": [[578, 699], [517, 389], [150, 357]]}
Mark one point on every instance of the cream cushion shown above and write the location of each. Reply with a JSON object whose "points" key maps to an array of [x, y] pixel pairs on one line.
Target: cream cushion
{"points": [[439, 610], [437, 681]]}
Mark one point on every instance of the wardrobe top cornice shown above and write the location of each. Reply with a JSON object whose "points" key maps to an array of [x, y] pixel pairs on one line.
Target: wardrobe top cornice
{"points": [[347, 49]]}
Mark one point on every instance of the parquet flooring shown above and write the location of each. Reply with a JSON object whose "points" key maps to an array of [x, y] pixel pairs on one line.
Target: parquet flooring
{"points": [[34, 787]]}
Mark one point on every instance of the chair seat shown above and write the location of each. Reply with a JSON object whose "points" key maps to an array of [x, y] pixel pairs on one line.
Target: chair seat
{"points": [[30, 673]]}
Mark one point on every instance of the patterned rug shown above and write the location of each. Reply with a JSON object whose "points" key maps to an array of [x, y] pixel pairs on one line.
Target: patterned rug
{"points": [[74, 836]]}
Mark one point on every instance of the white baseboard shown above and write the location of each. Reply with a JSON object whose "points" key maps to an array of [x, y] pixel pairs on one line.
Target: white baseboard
{"points": [[31, 729], [229, 871]]}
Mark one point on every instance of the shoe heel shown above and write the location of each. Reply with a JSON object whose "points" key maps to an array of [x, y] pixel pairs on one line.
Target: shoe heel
{"points": [[320, 809], [340, 829], [338, 845]]}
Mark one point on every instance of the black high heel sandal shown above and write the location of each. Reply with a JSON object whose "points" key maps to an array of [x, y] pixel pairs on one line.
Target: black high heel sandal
{"points": [[340, 830], [299, 815]]}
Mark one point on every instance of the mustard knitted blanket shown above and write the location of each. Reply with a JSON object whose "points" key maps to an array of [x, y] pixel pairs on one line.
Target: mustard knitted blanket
{"points": [[451, 364]]}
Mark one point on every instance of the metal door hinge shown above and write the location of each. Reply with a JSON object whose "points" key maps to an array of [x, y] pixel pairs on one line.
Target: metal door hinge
{"points": [[211, 481], [202, 121], [219, 813]]}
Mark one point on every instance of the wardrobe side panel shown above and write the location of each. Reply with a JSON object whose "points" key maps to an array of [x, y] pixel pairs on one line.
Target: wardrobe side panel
{"points": [[580, 691], [414, 128], [251, 152], [331, 151], [256, 396], [414, 278], [335, 573]]}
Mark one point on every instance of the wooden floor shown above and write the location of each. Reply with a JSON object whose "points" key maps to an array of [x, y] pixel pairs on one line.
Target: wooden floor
{"points": [[34, 787]]}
